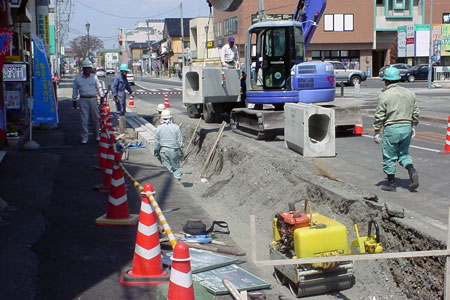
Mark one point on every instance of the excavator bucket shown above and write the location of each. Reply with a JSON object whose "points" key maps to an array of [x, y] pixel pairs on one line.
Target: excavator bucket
{"points": [[225, 5]]}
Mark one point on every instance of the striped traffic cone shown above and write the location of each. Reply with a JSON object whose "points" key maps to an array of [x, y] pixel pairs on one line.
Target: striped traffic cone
{"points": [[358, 129], [131, 102], [117, 211], [147, 263], [106, 185], [166, 101], [180, 285], [102, 151], [447, 140]]}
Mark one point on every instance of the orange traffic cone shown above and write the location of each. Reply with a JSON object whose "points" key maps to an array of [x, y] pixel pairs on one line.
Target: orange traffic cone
{"points": [[102, 151], [447, 140], [106, 185], [358, 129], [166, 101], [131, 102], [117, 211], [180, 285], [147, 263]]}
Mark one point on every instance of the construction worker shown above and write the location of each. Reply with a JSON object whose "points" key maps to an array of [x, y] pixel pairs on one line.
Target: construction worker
{"points": [[120, 84], [159, 108], [87, 87], [398, 114], [229, 56], [168, 147]]}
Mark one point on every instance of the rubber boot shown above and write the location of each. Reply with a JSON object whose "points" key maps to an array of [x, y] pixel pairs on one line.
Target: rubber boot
{"points": [[414, 176], [391, 186], [122, 125]]}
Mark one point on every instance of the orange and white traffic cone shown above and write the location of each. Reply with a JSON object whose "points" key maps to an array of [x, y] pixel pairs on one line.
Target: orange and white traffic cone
{"points": [[447, 140], [166, 101], [358, 129], [117, 211], [147, 263], [102, 151], [106, 185], [131, 102], [180, 285]]}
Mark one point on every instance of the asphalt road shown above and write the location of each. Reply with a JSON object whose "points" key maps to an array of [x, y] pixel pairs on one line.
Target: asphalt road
{"points": [[358, 160]]}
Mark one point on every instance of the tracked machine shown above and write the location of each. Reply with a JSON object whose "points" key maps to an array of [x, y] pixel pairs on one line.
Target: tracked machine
{"points": [[304, 235], [276, 74]]}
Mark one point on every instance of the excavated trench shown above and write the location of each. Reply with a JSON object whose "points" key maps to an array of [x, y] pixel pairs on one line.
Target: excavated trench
{"points": [[248, 176]]}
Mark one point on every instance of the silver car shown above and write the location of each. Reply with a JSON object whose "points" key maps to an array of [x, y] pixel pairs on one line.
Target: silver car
{"points": [[347, 76], [130, 78]]}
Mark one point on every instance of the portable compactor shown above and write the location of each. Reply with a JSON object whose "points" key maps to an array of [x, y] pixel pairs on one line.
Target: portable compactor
{"points": [[305, 235]]}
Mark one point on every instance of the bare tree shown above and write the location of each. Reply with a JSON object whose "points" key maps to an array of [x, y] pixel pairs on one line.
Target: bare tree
{"points": [[82, 49]]}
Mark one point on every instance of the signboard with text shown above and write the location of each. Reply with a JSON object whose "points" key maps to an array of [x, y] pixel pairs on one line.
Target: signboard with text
{"points": [[410, 41], [422, 40], [445, 47], [401, 41]]}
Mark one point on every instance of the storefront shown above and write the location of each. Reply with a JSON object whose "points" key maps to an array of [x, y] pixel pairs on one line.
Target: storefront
{"points": [[350, 58]]}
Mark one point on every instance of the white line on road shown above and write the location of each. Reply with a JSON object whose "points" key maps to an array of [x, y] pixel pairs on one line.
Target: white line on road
{"points": [[412, 146]]}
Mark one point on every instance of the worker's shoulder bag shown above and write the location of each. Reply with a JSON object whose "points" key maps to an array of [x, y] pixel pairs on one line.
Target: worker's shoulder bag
{"points": [[197, 227]]}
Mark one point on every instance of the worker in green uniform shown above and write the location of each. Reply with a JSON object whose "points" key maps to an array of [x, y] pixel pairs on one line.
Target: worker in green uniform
{"points": [[398, 114]]}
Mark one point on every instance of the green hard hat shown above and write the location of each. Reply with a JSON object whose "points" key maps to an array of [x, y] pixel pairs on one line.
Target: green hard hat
{"points": [[392, 74], [124, 67]]}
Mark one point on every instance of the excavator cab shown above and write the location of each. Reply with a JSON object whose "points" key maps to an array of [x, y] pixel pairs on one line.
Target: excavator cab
{"points": [[275, 47]]}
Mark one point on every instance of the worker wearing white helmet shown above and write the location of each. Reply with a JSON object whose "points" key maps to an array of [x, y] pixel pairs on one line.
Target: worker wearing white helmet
{"points": [[168, 147], [160, 107], [87, 86]]}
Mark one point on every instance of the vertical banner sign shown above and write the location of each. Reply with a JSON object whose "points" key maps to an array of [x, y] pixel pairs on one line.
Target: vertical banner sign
{"points": [[5, 40], [401, 41], [437, 43], [410, 41], [445, 48], [42, 12], [422, 40], [44, 107]]}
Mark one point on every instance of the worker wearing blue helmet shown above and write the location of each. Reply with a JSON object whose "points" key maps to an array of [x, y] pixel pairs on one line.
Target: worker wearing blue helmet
{"points": [[120, 84], [397, 114]]}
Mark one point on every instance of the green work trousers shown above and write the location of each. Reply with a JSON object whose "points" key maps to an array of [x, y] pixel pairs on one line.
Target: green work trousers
{"points": [[170, 158], [395, 146]]}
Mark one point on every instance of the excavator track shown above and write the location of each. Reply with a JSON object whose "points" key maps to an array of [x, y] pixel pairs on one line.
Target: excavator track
{"points": [[257, 124]]}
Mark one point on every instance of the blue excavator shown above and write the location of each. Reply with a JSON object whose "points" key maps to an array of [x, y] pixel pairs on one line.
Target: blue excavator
{"points": [[277, 74]]}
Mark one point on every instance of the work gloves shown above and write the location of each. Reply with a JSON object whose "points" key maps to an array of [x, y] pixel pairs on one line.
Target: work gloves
{"points": [[74, 104], [156, 154], [377, 138], [413, 132]]}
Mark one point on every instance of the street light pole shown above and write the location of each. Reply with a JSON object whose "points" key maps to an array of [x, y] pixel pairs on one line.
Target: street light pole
{"points": [[430, 63], [88, 26]]}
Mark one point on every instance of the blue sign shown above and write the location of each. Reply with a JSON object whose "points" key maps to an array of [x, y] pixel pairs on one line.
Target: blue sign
{"points": [[44, 106]]}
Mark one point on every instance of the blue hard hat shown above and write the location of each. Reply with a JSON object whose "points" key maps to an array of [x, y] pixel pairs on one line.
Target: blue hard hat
{"points": [[392, 74], [124, 67], [231, 39]]}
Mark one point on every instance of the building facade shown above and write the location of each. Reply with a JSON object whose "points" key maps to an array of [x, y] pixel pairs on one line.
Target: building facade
{"points": [[357, 33]]}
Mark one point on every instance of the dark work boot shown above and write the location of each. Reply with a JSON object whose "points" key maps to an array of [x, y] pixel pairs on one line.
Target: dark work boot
{"points": [[391, 186], [414, 176]]}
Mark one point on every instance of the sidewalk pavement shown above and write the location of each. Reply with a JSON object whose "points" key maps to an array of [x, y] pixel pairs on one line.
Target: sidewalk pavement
{"points": [[52, 248]]}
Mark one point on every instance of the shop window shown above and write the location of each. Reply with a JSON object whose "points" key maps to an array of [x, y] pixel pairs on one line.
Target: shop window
{"points": [[316, 54]]}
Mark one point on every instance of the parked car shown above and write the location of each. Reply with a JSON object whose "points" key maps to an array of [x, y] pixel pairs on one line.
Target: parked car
{"points": [[403, 68], [130, 78], [419, 72], [110, 72], [100, 72], [348, 76]]}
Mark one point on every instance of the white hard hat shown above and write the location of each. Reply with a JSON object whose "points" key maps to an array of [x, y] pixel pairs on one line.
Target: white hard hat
{"points": [[160, 107], [86, 64], [166, 115]]}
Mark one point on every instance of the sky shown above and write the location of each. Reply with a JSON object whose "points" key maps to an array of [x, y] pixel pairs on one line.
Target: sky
{"points": [[106, 16]]}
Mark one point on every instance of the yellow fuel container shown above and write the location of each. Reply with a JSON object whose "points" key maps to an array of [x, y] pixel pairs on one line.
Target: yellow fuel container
{"points": [[324, 237]]}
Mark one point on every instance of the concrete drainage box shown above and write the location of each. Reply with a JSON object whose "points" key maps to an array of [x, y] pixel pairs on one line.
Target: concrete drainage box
{"points": [[206, 84], [309, 129]]}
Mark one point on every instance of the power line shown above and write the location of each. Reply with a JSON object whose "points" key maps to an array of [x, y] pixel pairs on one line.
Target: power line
{"points": [[126, 17]]}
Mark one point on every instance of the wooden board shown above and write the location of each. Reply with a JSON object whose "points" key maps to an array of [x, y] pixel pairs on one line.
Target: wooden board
{"points": [[240, 278]]}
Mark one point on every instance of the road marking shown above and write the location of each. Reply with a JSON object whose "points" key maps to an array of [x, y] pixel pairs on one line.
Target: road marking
{"points": [[411, 146]]}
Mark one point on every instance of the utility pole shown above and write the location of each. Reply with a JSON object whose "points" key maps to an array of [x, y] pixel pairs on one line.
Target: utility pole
{"points": [[182, 34], [149, 64], [430, 63], [261, 12]]}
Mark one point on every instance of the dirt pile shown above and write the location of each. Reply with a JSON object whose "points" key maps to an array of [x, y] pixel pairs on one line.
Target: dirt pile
{"points": [[248, 176]]}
